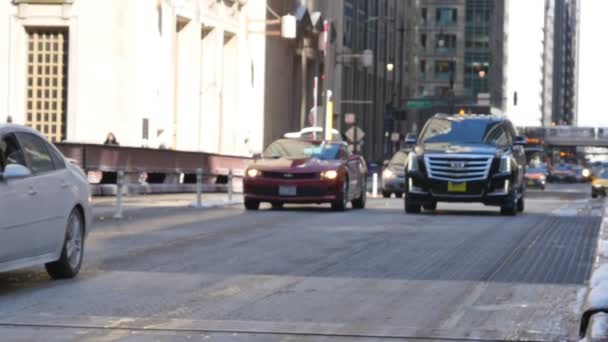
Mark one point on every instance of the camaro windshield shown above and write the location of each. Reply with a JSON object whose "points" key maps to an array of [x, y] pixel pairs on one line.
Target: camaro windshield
{"points": [[293, 149]]}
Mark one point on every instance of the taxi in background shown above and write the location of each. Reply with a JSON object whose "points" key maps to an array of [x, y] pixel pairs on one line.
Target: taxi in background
{"points": [[599, 184]]}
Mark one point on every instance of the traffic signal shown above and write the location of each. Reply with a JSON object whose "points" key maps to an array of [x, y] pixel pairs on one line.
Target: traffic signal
{"points": [[461, 111]]}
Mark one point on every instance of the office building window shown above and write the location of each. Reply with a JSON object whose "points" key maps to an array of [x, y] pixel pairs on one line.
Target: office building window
{"points": [[47, 72], [446, 16]]}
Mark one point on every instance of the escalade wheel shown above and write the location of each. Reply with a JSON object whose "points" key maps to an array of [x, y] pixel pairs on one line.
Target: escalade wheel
{"points": [[521, 206], [509, 208], [412, 208]]}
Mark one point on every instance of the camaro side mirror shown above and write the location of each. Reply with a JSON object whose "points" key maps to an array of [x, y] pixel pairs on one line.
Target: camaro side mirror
{"points": [[411, 139], [15, 171]]}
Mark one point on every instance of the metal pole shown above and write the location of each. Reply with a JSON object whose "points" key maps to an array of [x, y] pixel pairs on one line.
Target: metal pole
{"points": [[199, 188], [304, 85], [375, 185], [326, 72], [315, 104], [230, 184], [120, 181]]}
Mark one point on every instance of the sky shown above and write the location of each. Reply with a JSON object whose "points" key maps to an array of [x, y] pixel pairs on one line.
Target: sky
{"points": [[524, 61], [593, 74]]}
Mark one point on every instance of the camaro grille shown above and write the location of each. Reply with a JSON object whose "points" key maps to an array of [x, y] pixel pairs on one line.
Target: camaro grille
{"points": [[284, 175], [458, 168]]}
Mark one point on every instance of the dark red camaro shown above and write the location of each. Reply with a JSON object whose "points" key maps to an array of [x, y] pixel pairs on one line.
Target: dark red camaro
{"points": [[304, 171]]}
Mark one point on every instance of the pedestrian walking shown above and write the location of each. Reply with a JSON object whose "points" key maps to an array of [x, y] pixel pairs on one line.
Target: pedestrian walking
{"points": [[111, 140]]}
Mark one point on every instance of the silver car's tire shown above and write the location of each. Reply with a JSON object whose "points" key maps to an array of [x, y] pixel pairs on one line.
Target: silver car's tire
{"points": [[72, 253]]}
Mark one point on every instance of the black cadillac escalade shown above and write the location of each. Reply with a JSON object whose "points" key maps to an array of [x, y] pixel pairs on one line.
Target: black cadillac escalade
{"points": [[466, 158]]}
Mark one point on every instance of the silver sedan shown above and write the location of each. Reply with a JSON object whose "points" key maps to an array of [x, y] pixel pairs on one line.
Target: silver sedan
{"points": [[45, 210]]}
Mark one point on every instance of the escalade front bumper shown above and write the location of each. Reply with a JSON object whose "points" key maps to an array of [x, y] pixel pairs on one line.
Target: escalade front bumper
{"points": [[496, 190]]}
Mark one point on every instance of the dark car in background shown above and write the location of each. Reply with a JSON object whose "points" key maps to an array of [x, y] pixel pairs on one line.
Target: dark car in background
{"points": [[581, 174], [393, 176], [305, 171], [466, 158], [562, 173]]}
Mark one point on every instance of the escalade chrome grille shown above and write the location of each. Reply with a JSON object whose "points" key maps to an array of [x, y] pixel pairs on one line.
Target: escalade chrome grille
{"points": [[458, 167]]}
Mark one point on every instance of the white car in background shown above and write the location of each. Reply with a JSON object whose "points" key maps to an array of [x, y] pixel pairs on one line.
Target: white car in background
{"points": [[45, 210], [312, 132]]}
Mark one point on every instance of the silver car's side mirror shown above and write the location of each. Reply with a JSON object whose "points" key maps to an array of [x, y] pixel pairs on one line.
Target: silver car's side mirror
{"points": [[15, 171]]}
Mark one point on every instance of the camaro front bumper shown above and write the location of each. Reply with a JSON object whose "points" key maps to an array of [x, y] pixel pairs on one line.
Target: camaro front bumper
{"points": [[493, 191], [306, 191]]}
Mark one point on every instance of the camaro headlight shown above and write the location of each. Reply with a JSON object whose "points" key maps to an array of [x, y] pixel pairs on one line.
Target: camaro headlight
{"points": [[412, 162], [252, 173], [586, 173], [505, 164], [388, 173], [331, 174]]}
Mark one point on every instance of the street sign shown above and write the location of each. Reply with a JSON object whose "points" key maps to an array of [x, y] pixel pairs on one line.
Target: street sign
{"points": [[349, 118], [395, 137], [418, 104], [355, 134], [367, 58]]}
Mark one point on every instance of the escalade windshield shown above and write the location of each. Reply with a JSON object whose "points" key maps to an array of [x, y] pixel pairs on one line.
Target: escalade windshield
{"points": [[463, 131]]}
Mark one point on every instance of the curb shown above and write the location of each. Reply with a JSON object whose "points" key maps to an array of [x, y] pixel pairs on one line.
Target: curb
{"points": [[596, 300], [217, 204], [134, 212]]}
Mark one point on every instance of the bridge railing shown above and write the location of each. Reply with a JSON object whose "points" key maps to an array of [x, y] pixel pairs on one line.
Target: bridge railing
{"points": [[153, 170]]}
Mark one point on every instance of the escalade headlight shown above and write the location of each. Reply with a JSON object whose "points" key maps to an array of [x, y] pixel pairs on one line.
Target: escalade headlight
{"points": [[505, 164], [412, 162]]}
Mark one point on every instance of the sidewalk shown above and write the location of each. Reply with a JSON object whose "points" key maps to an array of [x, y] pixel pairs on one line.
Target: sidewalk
{"points": [[105, 207]]}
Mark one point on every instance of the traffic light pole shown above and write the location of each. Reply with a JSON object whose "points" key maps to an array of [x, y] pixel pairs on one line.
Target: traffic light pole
{"points": [[327, 81]]}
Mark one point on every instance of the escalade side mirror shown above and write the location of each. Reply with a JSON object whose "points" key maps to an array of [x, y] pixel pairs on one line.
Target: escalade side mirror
{"points": [[521, 140], [411, 139]]}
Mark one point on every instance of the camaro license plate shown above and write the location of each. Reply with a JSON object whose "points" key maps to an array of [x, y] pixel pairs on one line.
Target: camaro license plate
{"points": [[287, 191], [457, 187]]}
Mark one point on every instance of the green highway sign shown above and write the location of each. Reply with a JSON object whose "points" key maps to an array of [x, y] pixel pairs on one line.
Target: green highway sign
{"points": [[418, 104]]}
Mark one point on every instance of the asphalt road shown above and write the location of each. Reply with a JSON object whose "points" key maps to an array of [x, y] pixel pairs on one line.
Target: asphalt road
{"points": [[309, 274]]}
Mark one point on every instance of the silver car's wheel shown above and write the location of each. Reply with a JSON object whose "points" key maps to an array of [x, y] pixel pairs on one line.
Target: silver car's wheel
{"points": [[70, 261]]}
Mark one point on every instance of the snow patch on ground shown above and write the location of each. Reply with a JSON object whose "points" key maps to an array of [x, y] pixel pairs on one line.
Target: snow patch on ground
{"points": [[599, 327], [597, 296], [215, 204], [600, 275]]}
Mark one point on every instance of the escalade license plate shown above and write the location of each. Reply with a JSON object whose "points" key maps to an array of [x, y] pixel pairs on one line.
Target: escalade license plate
{"points": [[287, 191], [457, 187]]}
